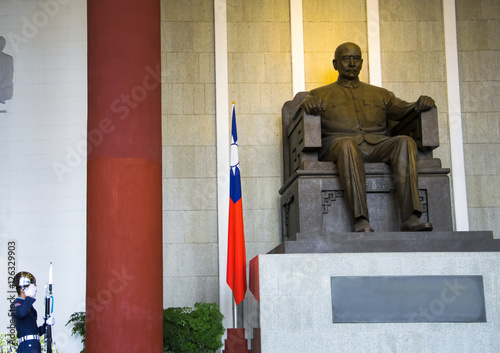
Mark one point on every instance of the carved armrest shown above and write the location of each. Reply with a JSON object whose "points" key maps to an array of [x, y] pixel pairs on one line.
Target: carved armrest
{"points": [[304, 138], [422, 127]]}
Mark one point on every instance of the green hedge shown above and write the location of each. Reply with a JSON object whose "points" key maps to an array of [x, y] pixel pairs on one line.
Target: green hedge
{"points": [[185, 330], [197, 330]]}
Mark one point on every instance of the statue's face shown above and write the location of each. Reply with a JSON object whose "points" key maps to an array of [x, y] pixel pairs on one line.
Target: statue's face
{"points": [[2, 43], [348, 61]]}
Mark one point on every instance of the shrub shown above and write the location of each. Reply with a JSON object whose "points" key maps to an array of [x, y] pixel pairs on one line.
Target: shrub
{"points": [[192, 330], [78, 322], [185, 330]]}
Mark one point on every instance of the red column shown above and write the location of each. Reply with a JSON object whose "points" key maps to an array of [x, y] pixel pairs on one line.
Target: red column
{"points": [[124, 195]]}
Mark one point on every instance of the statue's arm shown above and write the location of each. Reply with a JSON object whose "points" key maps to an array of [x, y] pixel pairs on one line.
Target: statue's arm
{"points": [[398, 109], [424, 103], [312, 105]]}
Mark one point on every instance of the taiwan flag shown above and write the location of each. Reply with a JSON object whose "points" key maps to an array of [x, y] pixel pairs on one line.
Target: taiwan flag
{"points": [[236, 258]]}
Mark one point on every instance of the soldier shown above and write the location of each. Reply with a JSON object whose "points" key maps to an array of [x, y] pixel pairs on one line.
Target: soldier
{"points": [[25, 316]]}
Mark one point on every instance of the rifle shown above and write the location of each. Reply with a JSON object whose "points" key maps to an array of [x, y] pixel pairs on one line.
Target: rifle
{"points": [[49, 307]]}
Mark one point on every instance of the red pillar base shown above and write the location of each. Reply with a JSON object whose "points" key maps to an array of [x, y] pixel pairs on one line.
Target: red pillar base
{"points": [[236, 341], [256, 341]]}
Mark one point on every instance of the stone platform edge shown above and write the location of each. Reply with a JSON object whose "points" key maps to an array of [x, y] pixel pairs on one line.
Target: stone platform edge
{"points": [[438, 241]]}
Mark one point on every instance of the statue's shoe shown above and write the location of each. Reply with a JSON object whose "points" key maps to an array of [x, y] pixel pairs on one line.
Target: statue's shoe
{"points": [[415, 225], [362, 226]]}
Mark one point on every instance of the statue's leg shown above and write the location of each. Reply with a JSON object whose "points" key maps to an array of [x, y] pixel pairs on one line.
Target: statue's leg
{"points": [[346, 153], [401, 153]]}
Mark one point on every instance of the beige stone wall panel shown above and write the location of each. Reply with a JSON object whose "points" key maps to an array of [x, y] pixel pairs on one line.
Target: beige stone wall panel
{"points": [[480, 65], [266, 228], [190, 98], [196, 162], [413, 57], [324, 37], [194, 260], [193, 194], [186, 290], [258, 10], [480, 96], [188, 67], [184, 227], [257, 161], [334, 11], [326, 25], [415, 36], [259, 69], [273, 97], [187, 37], [278, 67], [260, 130], [410, 10], [479, 34], [258, 37], [320, 41], [484, 218], [410, 91], [412, 67], [483, 191], [188, 135], [482, 159], [261, 194], [187, 11], [247, 97], [482, 128], [483, 9]]}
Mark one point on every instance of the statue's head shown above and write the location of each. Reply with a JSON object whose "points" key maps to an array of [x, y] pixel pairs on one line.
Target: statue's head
{"points": [[3, 42], [348, 61]]}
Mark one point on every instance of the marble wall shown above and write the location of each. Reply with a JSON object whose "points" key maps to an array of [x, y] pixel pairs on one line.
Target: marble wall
{"points": [[413, 57], [43, 153], [478, 28], [189, 159], [260, 81], [259, 65], [326, 25]]}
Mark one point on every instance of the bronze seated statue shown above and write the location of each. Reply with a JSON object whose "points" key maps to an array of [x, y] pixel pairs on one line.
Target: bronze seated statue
{"points": [[331, 137], [312, 198]]}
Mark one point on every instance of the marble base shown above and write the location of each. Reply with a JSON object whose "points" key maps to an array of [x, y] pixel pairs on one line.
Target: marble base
{"points": [[294, 307]]}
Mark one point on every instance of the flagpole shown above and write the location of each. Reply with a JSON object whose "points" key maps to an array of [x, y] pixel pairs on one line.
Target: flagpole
{"points": [[235, 314]]}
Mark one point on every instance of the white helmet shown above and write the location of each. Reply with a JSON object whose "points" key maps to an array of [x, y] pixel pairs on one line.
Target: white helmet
{"points": [[23, 279]]}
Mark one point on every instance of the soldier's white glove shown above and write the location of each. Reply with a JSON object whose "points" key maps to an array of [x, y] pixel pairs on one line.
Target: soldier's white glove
{"points": [[50, 321], [30, 291]]}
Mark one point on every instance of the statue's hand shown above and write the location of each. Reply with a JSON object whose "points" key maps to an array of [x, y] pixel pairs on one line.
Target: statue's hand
{"points": [[424, 103], [312, 105]]}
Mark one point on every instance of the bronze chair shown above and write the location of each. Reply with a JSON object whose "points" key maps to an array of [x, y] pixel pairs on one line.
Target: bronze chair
{"points": [[312, 199]]}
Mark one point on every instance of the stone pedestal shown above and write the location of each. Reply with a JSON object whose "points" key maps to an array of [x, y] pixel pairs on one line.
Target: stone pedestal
{"points": [[313, 202], [236, 341], [294, 289]]}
